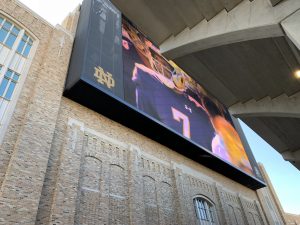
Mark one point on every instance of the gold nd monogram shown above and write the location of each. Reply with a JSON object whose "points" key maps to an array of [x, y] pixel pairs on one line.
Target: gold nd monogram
{"points": [[104, 78]]}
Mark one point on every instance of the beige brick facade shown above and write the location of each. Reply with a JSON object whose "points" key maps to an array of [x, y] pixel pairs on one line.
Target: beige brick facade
{"points": [[270, 202], [292, 219], [61, 163]]}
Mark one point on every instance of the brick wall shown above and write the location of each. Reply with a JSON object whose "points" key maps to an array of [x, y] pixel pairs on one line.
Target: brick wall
{"points": [[27, 141], [62, 163], [100, 172]]}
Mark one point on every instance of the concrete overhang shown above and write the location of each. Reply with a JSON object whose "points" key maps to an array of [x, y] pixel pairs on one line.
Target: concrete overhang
{"points": [[248, 21], [160, 20]]}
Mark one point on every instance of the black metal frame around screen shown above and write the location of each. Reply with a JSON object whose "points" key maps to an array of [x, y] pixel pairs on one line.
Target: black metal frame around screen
{"points": [[86, 92]]}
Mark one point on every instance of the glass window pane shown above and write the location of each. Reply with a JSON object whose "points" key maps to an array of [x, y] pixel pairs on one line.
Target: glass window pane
{"points": [[21, 46], [205, 210], [25, 37], [16, 30], [16, 77], [10, 90], [205, 214], [212, 215], [3, 86], [27, 50], [1, 20], [10, 40], [8, 73], [30, 41], [7, 25], [3, 34]]}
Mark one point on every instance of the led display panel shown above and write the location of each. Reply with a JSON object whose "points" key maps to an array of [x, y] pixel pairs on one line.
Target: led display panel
{"points": [[118, 72], [166, 93]]}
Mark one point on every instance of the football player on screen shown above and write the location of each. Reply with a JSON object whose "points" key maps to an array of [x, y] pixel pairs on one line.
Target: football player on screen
{"points": [[226, 143], [165, 99], [167, 94]]}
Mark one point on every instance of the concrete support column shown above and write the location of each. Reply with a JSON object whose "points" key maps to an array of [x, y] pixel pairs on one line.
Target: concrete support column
{"points": [[291, 27]]}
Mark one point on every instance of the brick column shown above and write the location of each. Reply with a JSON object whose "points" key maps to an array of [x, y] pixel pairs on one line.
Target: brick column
{"points": [[244, 210], [136, 203], [260, 212], [66, 191], [179, 192], [222, 206]]}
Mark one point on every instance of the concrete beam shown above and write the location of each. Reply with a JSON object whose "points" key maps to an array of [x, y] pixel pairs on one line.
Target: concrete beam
{"points": [[247, 21], [282, 106], [291, 155], [275, 2], [291, 27]]}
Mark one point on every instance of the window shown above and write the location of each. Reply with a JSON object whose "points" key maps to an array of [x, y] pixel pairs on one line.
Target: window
{"points": [[25, 45], [8, 84], [8, 32], [205, 211], [15, 48]]}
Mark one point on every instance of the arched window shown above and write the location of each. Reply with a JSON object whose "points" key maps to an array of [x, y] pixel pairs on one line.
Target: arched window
{"points": [[15, 57], [205, 211]]}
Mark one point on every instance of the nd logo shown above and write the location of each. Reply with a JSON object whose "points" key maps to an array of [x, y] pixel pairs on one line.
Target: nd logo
{"points": [[104, 78]]}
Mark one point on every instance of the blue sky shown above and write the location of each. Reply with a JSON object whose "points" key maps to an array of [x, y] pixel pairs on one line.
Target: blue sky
{"points": [[284, 176]]}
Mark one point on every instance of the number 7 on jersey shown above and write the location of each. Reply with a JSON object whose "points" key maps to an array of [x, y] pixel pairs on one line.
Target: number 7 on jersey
{"points": [[178, 116]]}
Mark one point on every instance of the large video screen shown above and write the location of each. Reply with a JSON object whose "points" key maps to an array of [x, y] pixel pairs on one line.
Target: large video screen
{"points": [[114, 68], [166, 93]]}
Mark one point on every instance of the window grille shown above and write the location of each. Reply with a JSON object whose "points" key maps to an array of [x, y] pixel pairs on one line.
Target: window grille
{"points": [[8, 32], [8, 84], [24, 45], [205, 211]]}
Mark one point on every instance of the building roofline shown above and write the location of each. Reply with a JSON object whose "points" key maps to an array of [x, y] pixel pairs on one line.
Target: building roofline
{"points": [[34, 13]]}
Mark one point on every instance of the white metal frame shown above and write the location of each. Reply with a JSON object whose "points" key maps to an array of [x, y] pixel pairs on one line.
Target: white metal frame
{"points": [[5, 119], [205, 211]]}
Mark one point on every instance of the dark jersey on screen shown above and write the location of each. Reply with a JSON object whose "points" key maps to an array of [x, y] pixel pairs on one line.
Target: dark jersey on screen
{"points": [[131, 57], [173, 109]]}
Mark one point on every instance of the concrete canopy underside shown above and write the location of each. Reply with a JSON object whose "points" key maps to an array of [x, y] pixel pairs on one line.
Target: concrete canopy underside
{"points": [[160, 19], [247, 70]]}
